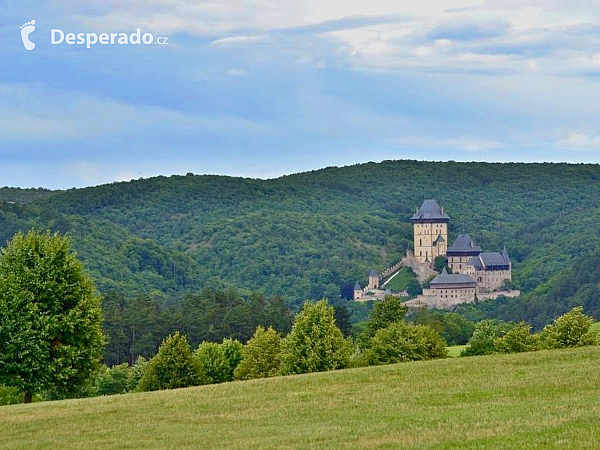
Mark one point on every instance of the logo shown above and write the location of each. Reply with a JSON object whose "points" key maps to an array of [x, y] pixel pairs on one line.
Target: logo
{"points": [[26, 30]]}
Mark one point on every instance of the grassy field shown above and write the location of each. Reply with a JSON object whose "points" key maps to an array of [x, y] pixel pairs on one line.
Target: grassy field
{"points": [[401, 280], [543, 399], [454, 351]]}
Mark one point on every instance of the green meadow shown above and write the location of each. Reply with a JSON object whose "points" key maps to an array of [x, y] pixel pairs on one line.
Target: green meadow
{"points": [[534, 400]]}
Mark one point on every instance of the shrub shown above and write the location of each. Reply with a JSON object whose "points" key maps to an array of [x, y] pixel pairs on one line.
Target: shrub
{"points": [[174, 366], [570, 330], [261, 356], [482, 341], [114, 380], [518, 339], [401, 342], [215, 365]]}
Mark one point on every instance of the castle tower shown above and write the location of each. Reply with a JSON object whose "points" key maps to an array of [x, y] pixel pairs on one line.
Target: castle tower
{"points": [[373, 279], [430, 225], [358, 292]]}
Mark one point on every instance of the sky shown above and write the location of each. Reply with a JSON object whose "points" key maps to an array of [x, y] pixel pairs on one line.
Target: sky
{"points": [[266, 88]]}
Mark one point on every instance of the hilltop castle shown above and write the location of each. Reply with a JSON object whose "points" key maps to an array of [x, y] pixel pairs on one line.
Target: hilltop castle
{"points": [[475, 274]]}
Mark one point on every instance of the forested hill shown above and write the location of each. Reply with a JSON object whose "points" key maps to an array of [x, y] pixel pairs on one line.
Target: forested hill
{"points": [[305, 235]]}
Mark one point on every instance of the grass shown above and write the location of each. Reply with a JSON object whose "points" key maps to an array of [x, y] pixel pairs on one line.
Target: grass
{"points": [[400, 281], [454, 351], [595, 326], [542, 399]]}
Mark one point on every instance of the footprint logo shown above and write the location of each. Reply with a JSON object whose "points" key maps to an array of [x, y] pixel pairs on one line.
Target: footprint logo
{"points": [[26, 30]]}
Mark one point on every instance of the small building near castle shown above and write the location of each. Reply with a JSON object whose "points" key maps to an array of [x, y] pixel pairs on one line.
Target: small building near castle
{"points": [[448, 290]]}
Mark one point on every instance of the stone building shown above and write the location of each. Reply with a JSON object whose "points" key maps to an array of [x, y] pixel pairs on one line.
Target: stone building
{"points": [[430, 225], [489, 270], [448, 290]]}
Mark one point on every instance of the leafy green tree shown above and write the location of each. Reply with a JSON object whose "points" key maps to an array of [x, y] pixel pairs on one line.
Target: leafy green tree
{"points": [[113, 380], [414, 288], [400, 341], [50, 321], [174, 366], [233, 350], [261, 356], [384, 312], [214, 362], [315, 343], [457, 330], [518, 339], [570, 330], [482, 341], [342, 319], [439, 264]]}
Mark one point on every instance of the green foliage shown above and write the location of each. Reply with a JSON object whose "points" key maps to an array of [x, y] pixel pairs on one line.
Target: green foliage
{"points": [[136, 326], [482, 341], [400, 342], [384, 312], [413, 288], [570, 330], [440, 263], [518, 339], [233, 350], [10, 395], [315, 343], [174, 366], [113, 380], [261, 356], [214, 362], [50, 322]]}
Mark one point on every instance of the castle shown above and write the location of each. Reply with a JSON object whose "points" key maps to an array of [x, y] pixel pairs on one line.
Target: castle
{"points": [[475, 274]]}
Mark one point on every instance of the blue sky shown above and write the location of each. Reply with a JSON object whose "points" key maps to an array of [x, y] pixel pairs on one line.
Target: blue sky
{"points": [[262, 89]]}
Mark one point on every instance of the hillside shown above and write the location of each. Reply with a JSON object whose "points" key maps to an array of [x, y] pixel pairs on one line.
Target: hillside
{"points": [[306, 235], [531, 400]]}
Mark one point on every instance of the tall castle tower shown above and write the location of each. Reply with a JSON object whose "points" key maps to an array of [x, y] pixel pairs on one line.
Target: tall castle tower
{"points": [[430, 225]]}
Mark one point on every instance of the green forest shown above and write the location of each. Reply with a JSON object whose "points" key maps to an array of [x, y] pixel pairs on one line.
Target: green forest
{"points": [[312, 235]]}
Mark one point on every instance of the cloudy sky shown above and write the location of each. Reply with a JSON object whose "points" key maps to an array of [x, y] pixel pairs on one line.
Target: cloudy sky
{"points": [[265, 88]]}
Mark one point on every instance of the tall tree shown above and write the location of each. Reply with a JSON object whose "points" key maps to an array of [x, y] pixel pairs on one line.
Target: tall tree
{"points": [[315, 343], [50, 320]]}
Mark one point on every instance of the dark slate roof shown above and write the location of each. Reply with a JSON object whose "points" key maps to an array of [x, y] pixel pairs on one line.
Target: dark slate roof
{"points": [[430, 210], [357, 287], [493, 259], [440, 238], [455, 278], [464, 244], [505, 255], [475, 262], [373, 273], [490, 259]]}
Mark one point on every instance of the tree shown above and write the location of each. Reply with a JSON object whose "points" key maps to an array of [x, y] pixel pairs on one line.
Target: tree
{"points": [[50, 320], [261, 356], [439, 264], [570, 330], [214, 362], [174, 366], [519, 339], [400, 341], [315, 343], [384, 312], [482, 341]]}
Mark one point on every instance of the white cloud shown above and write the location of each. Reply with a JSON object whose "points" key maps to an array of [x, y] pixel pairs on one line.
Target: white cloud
{"points": [[579, 140]]}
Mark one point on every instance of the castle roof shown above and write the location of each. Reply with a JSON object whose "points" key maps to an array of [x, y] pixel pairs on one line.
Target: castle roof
{"points": [[357, 287], [445, 278], [373, 273], [440, 238], [491, 261], [464, 244], [430, 211]]}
